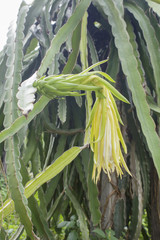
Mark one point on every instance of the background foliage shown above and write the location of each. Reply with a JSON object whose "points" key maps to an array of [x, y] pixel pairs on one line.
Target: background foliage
{"points": [[53, 37]]}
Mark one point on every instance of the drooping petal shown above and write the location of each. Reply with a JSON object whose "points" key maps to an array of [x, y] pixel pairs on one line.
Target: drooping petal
{"points": [[106, 137]]}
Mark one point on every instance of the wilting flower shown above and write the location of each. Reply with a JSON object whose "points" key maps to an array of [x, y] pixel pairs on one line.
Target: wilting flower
{"points": [[106, 138], [105, 134]]}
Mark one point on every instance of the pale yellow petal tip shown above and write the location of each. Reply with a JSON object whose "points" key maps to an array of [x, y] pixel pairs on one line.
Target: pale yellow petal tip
{"points": [[96, 174]]}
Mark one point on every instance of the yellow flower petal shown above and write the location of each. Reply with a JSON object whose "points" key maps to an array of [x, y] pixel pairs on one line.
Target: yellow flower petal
{"points": [[106, 137]]}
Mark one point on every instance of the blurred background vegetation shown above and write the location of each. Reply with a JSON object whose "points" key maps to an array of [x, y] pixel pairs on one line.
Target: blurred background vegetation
{"points": [[51, 37]]}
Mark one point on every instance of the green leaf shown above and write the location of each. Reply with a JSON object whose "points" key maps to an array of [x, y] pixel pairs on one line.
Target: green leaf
{"points": [[99, 232], [62, 224], [54, 206], [31, 146], [60, 15], [23, 121], [113, 62], [60, 37], [51, 171], [110, 234], [2, 78], [155, 6], [49, 150], [153, 106], [13, 78], [93, 52], [157, 1], [3, 234], [34, 12], [38, 218], [94, 204], [75, 50], [44, 176], [83, 42], [151, 41], [81, 173], [73, 235], [52, 185], [18, 233], [62, 109], [80, 213], [132, 37]]}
